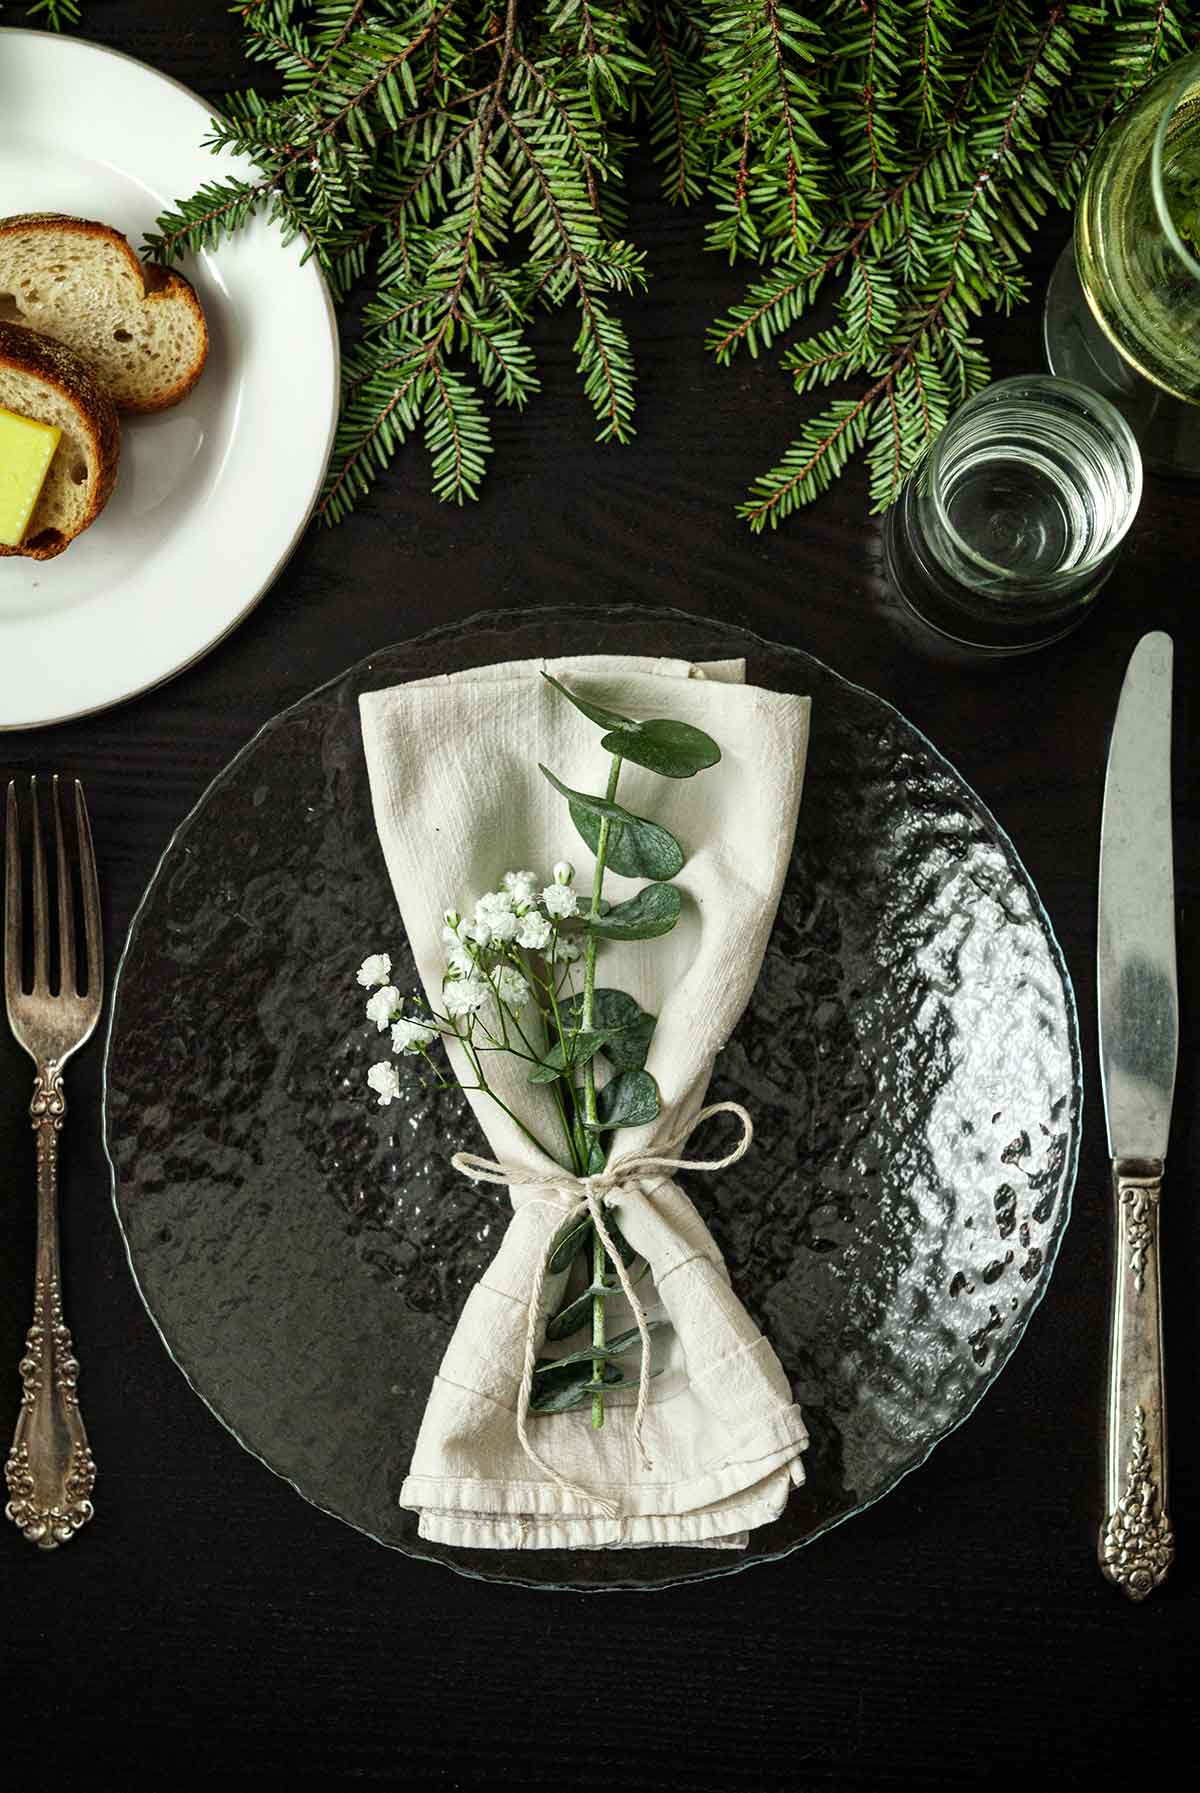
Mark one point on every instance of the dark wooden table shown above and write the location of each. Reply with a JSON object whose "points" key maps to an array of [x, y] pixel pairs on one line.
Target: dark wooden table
{"points": [[956, 1634]]}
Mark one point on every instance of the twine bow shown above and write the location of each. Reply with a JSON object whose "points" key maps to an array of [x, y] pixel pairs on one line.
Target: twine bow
{"points": [[587, 1195]]}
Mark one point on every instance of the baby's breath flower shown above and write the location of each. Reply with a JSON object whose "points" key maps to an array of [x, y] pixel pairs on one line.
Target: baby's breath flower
{"points": [[504, 924], [535, 931], [460, 961], [478, 931], [376, 968], [411, 1036], [521, 886], [384, 1081], [565, 950], [511, 988], [493, 902], [383, 1006], [466, 996], [563, 872], [560, 901], [451, 917]]}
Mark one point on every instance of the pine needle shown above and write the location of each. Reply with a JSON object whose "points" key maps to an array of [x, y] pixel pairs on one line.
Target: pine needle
{"points": [[456, 168]]}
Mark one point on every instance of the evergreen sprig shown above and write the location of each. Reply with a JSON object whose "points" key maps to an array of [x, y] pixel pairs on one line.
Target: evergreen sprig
{"points": [[55, 15], [461, 161], [455, 167], [950, 130]]}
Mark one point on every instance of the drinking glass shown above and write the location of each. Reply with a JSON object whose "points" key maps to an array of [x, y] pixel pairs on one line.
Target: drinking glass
{"points": [[1123, 306], [1009, 526]]}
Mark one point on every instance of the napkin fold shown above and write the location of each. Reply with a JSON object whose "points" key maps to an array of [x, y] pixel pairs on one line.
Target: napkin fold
{"points": [[458, 800]]}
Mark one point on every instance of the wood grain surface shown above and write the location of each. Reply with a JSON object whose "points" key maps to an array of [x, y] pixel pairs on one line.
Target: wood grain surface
{"points": [[209, 1622]]}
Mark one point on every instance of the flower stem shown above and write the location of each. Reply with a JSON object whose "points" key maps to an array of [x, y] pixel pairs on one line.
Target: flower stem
{"points": [[599, 1265], [485, 1089]]}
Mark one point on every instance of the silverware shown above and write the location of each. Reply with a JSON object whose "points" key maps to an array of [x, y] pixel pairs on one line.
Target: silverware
{"points": [[1139, 1034], [50, 1471]]}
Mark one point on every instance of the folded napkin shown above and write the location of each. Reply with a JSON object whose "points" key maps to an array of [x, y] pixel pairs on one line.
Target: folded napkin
{"points": [[458, 800]]}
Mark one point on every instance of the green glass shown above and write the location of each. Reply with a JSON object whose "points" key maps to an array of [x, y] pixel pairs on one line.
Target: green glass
{"points": [[1123, 308]]}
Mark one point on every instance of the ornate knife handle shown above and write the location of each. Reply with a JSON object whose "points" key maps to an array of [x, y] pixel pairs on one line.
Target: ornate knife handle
{"points": [[50, 1472], [1136, 1543]]}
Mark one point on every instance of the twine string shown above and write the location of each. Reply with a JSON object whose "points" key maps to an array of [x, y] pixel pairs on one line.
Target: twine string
{"points": [[587, 1195]]}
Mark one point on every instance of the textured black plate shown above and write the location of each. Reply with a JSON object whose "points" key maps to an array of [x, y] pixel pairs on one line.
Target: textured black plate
{"points": [[910, 1057]]}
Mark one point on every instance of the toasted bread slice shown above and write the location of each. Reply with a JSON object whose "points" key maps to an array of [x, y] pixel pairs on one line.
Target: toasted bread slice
{"points": [[45, 380], [139, 326]]}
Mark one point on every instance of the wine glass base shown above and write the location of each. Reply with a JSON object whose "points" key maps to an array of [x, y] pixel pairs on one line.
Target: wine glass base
{"points": [[956, 612], [1076, 348]]}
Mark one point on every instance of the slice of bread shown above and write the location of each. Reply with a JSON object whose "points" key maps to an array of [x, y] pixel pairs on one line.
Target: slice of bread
{"points": [[139, 326], [45, 380]]}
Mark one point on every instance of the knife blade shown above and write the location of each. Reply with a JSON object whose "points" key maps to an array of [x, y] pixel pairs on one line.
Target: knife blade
{"points": [[1138, 1000]]}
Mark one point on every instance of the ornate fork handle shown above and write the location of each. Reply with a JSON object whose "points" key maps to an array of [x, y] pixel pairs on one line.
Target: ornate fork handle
{"points": [[1137, 1546], [50, 1471]]}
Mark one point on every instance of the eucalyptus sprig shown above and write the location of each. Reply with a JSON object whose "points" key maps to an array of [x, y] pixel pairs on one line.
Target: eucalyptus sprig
{"points": [[512, 986], [635, 848]]}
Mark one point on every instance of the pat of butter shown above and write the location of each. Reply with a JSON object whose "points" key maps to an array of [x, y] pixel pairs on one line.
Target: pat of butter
{"points": [[26, 451]]}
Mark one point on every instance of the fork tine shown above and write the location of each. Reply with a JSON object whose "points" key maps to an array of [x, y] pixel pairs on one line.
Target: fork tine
{"points": [[12, 895], [41, 902], [90, 885], [66, 905]]}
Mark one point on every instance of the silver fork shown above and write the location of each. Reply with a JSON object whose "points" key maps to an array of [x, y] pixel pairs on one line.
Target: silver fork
{"points": [[50, 1471]]}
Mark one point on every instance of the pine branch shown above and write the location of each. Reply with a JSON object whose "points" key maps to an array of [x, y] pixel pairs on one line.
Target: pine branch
{"points": [[56, 15], [457, 167], [947, 237]]}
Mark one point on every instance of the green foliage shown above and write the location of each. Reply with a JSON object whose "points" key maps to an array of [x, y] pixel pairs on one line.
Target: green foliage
{"points": [[653, 911], [55, 15], [630, 1099], [596, 1022], [568, 1054], [949, 128], [637, 848], [672, 749], [627, 1028], [565, 1382], [457, 167]]}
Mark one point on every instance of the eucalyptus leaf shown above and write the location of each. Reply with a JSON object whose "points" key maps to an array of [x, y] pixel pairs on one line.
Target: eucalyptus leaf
{"points": [[578, 1232], [625, 1382], [569, 1243], [558, 1390], [636, 848], [594, 712], [653, 911], [672, 749], [628, 1029], [629, 1099], [576, 1313], [591, 1152], [580, 1046], [624, 1249], [605, 1353]]}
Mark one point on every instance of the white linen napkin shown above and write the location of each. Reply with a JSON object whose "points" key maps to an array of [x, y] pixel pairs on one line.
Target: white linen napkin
{"points": [[458, 800]]}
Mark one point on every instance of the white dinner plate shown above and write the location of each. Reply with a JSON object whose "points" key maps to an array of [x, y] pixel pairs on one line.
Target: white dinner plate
{"points": [[212, 495]]}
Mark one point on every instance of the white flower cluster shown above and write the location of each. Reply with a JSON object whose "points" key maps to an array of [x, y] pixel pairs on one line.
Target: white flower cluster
{"points": [[483, 964], [524, 915], [385, 1008]]}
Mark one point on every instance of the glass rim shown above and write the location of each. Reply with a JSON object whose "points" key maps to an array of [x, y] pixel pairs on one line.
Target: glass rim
{"points": [[1187, 74], [1107, 414]]}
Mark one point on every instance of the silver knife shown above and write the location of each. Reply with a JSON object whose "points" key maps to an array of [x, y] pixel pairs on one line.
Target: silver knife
{"points": [[1139, 1037]]}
